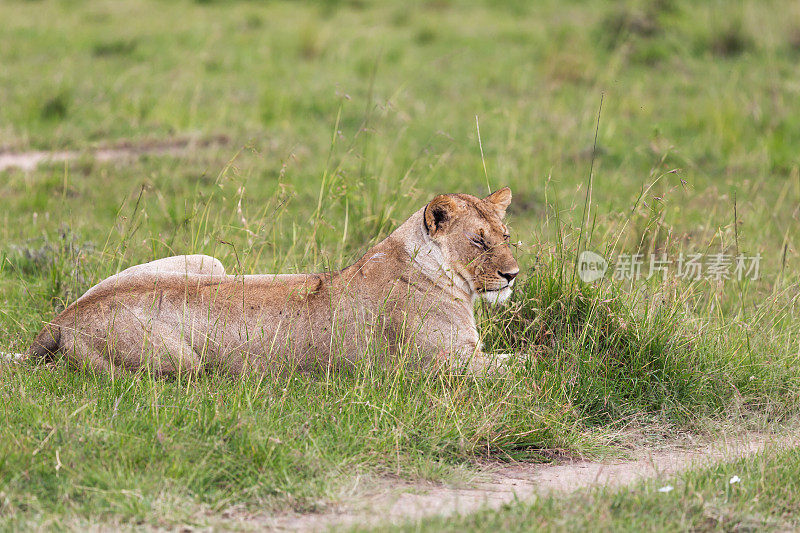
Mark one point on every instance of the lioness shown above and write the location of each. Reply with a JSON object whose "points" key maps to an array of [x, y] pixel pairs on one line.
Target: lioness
{"points": [[415, 288]]}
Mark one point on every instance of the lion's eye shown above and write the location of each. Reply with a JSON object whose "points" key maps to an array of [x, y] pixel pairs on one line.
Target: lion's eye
{"points": [[475, 240], [480, 243]]}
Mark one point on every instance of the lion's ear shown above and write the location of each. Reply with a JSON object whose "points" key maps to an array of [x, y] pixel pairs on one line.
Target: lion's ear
{"points": [[500, 200], [439, 212]]}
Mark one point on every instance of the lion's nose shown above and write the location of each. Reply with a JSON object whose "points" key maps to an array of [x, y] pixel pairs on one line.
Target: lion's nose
{"points": [[508, 275]]}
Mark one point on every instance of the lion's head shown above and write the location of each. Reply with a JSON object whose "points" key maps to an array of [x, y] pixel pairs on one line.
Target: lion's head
{"points": [[474, 241]]}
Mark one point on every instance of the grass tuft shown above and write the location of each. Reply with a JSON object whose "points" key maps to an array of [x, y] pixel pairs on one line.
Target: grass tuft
{"points": [[117, 47], [731, 41], [611, 358], [56, 107]]}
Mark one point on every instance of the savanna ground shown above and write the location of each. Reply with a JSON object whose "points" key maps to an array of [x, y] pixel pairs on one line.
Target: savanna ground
{"points": [[339, 120]]}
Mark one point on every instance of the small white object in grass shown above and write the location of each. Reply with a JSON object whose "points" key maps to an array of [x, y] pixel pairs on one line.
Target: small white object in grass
{"points": [[666, 488], [752, 378], [735, 479], [12, 357]]}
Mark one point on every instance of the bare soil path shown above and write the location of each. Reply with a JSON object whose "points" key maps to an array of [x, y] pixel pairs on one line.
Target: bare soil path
{"points": [[28, 161], [395, 501]]}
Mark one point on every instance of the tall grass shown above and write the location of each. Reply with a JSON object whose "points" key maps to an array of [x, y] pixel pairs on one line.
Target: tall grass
{"points": [[615, 359]]}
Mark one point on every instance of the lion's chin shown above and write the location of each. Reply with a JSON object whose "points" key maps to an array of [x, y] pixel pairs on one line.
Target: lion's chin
{"points": [[497, 297]]}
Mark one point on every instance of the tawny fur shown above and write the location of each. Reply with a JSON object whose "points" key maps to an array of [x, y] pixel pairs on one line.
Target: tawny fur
{"points": [[413, 290]]}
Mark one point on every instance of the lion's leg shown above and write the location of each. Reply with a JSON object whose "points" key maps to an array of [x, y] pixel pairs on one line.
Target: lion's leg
{"points": [[473, 361], [469, 356], [159, 348], [486, 364], [82, 351], [126, 342]]}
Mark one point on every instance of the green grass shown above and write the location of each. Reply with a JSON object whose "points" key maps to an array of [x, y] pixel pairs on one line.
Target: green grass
{"points": [[342, 118], [765, 499]]}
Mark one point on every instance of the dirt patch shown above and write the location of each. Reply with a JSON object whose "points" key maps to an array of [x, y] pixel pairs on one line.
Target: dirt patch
{"points": [[122, 150], [395, 501]]}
